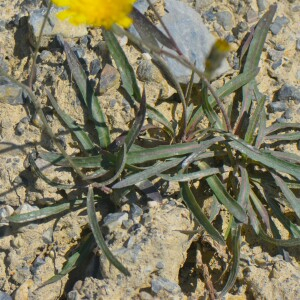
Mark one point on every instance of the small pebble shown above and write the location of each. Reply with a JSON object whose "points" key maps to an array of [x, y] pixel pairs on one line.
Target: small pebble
{"points": [[114, 220], [281, 120], [135, 211], [278, 24], [109, 78], [209, 16], [296, 8], [85, 40], [113, 103], [251, 16], [276, 64], [288, 92], [4, 296], [230, 38], [279, 47], [288, 114], [262, 5], [225, 19], [127, 224], [10, 93], [95, 66], [45, 55], [278, 106], [275, 55], [242, 27], [2, 25], [48, 236], [160, 265], [78, 51], [161, 283], [5, 212], [25, 208], [298, 45], [202, 4]]}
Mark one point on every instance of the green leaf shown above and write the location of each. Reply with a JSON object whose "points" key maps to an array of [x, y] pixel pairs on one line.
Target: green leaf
{"points": [[253, 57], [228, 88], [223, 196], [281, 126], [208, 110], [129, 80], [236, 247], [194, 207], [45, 212], [190, 176], [138, 123], [98, 161], [37, 171], [293, 201], [254, 120], [260, 209], [98, 234], [149, 172], [243, 197], [283, 243], [87, 245], [286, 222], [261, 129], [284, 137], [90, 100], [264, 157], [75, 129], [291, 157]]}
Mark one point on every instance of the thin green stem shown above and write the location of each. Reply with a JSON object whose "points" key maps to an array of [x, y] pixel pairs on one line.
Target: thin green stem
{"points": [[181, 59], [37, 46]]}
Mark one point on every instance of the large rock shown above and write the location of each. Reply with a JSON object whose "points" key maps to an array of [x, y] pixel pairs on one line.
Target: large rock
{"points": [[53, 27], [191, 36]]}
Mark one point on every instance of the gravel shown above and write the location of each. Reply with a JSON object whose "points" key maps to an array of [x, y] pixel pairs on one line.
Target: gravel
{"points": [[288, 92]]}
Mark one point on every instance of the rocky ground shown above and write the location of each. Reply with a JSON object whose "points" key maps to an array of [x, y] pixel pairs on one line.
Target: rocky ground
{"points": [[149, 237]]}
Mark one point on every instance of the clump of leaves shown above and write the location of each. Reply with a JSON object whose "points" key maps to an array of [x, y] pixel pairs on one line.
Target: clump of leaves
{"points": [[122, 166]]}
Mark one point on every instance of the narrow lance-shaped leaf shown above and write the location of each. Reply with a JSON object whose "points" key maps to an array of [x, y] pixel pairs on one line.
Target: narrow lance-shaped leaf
{"points": [[129, 80], [190, 176], [260, 209], [264, 157], [283, 243], [194, 207], [208, 109], [250, 133], [293, 201], [280, 126], [295, 136], [138, 123], [228, 88], [98, 234], [253, 58], [223, 196], [261, 128], [76, 130], [44, 212], [236, 247], [45, 178], [149, 31], [91, 101], [75, 260], [243, 197], [149, 172], [293, 229]]}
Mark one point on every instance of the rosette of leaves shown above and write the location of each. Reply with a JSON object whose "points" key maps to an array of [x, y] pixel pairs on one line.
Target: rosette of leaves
{"points": [[242, 157]]}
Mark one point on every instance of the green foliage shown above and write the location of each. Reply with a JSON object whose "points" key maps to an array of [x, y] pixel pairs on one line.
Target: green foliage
{"points": [[242, 191]]}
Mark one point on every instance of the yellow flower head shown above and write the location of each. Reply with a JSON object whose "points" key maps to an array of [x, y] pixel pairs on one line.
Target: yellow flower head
{"points": [[96, 12]]}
